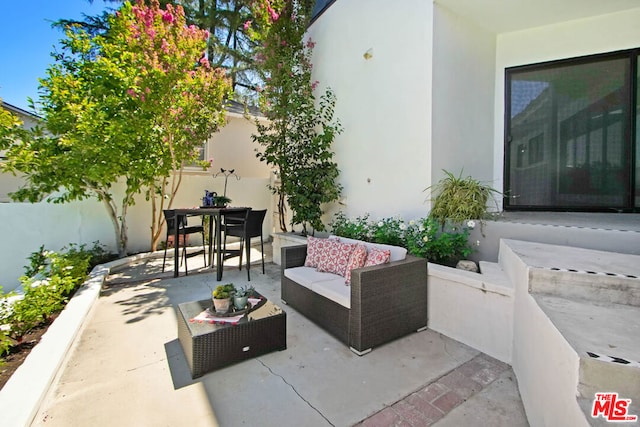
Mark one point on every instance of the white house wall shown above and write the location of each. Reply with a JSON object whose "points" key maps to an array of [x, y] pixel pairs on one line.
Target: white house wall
{"points": [[383, 103], [25, 227], [601, 34], [463, 93]]}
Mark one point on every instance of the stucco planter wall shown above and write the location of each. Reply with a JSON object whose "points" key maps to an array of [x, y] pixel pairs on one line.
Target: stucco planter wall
{"points": [[281, 240], [475, 309]]}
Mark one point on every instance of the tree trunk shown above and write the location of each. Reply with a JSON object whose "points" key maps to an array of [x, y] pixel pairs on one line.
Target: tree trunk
{"points": [[282, 211], [113, 215]]}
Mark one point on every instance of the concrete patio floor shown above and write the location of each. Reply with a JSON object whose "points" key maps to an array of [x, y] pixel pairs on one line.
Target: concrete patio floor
{"points": [[126, 368]]}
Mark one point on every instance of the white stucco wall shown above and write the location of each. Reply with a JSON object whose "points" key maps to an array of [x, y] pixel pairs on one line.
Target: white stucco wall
{"points": [[606, 33], [463, 91], [544, 363], [25, 227], [475, 309], [383, 103]]}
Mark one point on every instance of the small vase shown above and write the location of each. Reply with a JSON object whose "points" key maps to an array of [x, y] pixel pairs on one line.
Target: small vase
{"points": [[221, 305], [240, 302]]}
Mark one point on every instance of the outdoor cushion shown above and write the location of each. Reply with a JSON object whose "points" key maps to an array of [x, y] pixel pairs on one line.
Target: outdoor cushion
{"points": [[334, 257], [335, 290], [306, 276], [397, 253], [357, 260], [377, 257], [314, 248]]}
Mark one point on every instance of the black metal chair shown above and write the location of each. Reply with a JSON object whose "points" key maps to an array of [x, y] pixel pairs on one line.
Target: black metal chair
{"points": [[244, 228], [183, 230]]}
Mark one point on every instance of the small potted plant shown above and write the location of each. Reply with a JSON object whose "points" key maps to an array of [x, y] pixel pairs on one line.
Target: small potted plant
{"points": [[222, 297], [221, 201], [241, 297]]}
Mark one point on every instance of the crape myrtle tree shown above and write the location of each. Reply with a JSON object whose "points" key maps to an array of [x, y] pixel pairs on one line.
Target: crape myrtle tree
{"points": [[297, 138], [131, 105], [228, 47]]}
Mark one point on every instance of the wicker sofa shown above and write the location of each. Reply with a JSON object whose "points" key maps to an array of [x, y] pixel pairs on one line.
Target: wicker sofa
{"points": [[382, 303]]}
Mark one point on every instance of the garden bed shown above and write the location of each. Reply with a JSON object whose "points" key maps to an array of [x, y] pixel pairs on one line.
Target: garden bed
{"points": [[19, 353]]}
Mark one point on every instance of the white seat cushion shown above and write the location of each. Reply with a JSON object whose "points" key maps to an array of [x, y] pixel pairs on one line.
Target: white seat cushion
{"points": [[335, 290], [306, 276]]}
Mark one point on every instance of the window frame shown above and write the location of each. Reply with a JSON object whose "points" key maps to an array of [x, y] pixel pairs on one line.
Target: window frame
{"points": [[631, 139]]}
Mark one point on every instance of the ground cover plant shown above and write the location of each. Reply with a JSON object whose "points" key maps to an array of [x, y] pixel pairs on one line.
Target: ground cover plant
{"points": [[50, 280], [423, 237]]}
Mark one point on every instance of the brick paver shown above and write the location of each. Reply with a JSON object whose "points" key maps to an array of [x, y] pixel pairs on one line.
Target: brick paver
{"points": [[435, 400]]}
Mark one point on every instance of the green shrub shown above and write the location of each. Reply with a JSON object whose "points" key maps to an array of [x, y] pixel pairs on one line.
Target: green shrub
{"points": [[424, 237], [50, 280], [352, 228]]}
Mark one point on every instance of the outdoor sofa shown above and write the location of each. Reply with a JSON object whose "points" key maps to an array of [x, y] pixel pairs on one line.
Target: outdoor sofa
{"points": [[381, 302]]}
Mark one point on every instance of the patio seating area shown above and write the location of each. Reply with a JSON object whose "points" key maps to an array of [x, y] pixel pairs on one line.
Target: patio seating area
{"points": [[126, 367]]}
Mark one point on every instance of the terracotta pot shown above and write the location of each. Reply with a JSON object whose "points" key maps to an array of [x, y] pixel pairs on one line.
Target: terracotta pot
{"points": [[221, 305]]}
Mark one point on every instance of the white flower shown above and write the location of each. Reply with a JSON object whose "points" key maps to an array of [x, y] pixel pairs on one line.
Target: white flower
{"points": [[477, 242], [412, 222], [471, 223], [380, 224], [421, 228], [403, 226], [425, 239]]}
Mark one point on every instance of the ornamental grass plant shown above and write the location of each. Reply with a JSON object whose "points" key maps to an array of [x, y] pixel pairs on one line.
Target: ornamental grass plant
{"points": [[456, 199]]}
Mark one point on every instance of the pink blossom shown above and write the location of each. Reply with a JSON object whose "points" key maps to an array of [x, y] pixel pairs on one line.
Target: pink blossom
{"points": [[273, 13], [168, 17], [205, 62], [311, 44], [314, 85], [246, 25], [283, 42], [131, 92]]}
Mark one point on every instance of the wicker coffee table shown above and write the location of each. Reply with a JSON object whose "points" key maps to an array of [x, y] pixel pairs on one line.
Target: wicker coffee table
{"points": [[211, 346]]}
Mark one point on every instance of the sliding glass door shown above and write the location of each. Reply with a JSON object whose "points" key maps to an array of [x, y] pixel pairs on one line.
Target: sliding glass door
{"points": [[570, 142]]}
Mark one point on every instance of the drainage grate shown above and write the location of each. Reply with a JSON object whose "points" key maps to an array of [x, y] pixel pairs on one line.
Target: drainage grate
{"points": [[613, 359]]}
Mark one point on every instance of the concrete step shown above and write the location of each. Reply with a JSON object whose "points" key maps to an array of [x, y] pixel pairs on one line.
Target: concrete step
{"points": [[599, 231], [600, 286], [605, 337]]}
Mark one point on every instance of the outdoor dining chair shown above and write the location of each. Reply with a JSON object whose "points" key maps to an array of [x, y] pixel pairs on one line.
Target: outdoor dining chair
{"points": [[183, 231], [245, 229]]}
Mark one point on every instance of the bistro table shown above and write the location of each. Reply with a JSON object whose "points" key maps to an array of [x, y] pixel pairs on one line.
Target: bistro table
{"points": [[215, 215]]}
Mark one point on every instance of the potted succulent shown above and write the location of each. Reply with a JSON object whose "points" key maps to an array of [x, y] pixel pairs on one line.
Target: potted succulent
{"points": [[241, 297], [222, 297]]}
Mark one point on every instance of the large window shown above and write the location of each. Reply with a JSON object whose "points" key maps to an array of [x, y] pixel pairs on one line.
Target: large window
{"points": [[571, 139]]}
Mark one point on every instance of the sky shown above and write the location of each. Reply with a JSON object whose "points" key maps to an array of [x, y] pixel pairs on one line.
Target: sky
{"points": [[27, 40]]}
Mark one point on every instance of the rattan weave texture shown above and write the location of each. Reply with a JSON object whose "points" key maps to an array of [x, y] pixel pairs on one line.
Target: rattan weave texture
{"points": [[208, 347], [387, 301]]}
